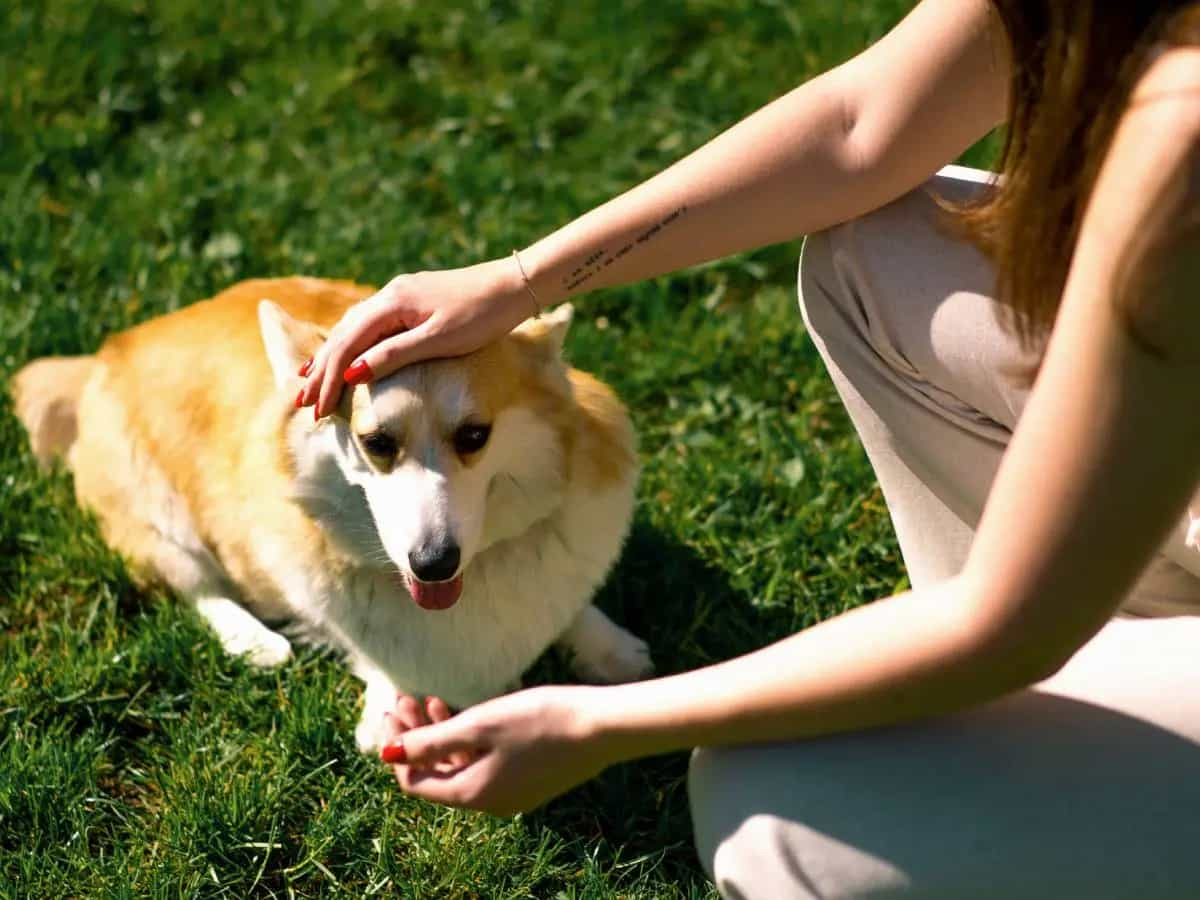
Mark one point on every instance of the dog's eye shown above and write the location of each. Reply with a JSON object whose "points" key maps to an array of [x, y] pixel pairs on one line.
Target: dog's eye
{"points": [[378, 443], [471, 438]]}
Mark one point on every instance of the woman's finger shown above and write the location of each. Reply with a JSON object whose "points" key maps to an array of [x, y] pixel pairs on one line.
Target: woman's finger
{"points": [[436, 709], [439, 712], [315, 376], [334, 374], [410, 712], [428, 746], [457, 787], [393, 728], [312, 372], [407, 714], [398, 351], [360, 326], [314, 380]]}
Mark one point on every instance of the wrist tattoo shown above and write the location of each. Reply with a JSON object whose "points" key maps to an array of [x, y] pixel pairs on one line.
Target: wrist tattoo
{"points": [[602, 258]]}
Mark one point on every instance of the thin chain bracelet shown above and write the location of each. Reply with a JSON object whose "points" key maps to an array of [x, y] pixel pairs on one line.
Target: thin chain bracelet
{"points": [[537, 304]]}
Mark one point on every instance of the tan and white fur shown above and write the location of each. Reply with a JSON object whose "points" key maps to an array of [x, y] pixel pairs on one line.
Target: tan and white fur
{"points": [[183, 436]]}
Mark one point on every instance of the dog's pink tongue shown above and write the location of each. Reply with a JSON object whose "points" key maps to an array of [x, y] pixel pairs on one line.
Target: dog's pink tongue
{"points": [[436, 594]]}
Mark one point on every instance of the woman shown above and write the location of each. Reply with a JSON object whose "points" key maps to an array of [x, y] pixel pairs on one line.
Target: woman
{"points": [[1056, 378]]}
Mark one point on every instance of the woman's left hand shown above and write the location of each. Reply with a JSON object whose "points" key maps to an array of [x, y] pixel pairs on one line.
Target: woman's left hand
{"points": [[504, 756]]}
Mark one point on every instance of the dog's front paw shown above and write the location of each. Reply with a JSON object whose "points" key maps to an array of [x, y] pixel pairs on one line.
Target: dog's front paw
{"points": [[625, 658], [262, 648], [371, 732], [241, 634]]}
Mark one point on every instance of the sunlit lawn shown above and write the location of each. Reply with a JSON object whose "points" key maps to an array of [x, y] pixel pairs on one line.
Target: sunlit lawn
{"points": [[152, 153]]}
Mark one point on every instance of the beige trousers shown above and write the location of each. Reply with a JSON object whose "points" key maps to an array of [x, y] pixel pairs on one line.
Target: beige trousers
{"points": [[1085, 786]]}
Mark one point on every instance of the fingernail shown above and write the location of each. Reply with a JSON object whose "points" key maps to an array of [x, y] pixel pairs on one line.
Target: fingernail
{"points": [[306, 368], [300, 398], [316, 417], [357, 373], [393, 754]]}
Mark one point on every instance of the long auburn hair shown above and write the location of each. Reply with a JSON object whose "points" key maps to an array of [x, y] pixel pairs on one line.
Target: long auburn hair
{"points": [[1074, 65]]}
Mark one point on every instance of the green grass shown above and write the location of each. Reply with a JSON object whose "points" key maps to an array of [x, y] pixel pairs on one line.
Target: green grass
{"points": [[152, 153]]}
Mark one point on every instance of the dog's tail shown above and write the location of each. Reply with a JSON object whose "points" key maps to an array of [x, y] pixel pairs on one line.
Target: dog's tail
{"points": [[46, 395]]}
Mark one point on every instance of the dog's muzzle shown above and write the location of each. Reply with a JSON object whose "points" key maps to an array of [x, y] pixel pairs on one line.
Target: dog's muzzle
{"points": [[434, 584]]}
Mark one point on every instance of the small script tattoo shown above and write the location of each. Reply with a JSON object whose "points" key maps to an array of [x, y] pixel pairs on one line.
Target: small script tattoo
{"points": [[601, 259]]}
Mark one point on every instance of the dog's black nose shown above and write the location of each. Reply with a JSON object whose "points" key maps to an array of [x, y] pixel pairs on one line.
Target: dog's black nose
{"points": [[435, 561]]}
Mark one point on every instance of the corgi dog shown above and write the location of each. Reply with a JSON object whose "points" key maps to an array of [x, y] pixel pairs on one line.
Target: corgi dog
{"points": [[445, 526]]}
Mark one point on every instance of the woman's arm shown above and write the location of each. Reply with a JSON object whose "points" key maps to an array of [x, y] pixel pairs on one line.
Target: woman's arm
{"points": [[1102, 464], [1100, 469], [836, 147]]}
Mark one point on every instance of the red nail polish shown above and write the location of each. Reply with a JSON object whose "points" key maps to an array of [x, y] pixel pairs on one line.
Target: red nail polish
{"points": [[306, 368], [300, 399], [357, 373], [316, 418], [393, 754]]}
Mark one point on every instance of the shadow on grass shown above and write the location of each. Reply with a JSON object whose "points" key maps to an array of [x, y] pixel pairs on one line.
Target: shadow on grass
{"points": [[636, 815]]}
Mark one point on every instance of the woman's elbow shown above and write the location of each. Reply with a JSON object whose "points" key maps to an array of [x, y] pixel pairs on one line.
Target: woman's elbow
{"points": [[1017, 644]]}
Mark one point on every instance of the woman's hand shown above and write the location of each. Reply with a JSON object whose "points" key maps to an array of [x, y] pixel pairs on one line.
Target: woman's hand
{"points": [[505, 756], [415, 317]]}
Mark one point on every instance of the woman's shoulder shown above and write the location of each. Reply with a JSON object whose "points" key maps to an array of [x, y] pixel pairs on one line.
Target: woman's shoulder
{"points": [[1159, 132], [1169, 92], [1145, 208]]}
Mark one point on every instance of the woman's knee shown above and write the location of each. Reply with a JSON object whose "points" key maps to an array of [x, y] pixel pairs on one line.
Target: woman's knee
{"points": [[706, 780], [751, 835], [837, 281], [901, 252], [918, 810], [730, 836], [819, 287]]}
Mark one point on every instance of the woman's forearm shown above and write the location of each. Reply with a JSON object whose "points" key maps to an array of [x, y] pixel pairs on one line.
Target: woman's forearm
{"points": [[834, 148], [741, 190], [907, 657]]}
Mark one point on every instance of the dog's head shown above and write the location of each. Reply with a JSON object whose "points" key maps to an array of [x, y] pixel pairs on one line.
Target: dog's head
{"points": [[450, 455]]}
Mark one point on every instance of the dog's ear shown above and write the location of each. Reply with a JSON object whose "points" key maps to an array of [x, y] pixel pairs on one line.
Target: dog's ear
{"points": [[287, 340], [550, 327]]}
